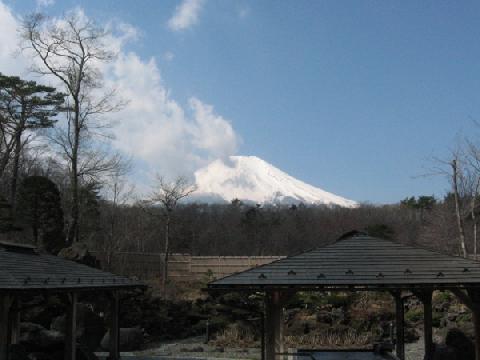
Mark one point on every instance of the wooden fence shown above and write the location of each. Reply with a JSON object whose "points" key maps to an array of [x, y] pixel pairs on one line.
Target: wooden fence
{"points": [[182, 267]]}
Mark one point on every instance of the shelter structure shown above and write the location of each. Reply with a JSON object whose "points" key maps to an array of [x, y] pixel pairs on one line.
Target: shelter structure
{"points": [[358, 262], [25, 272]]}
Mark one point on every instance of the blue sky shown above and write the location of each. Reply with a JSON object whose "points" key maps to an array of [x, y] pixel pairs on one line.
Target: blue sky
{"points": [[352, 96]]}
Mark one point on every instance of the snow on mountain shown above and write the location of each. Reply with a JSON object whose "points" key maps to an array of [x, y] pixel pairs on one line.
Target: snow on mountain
{"points": [[251, 179]]}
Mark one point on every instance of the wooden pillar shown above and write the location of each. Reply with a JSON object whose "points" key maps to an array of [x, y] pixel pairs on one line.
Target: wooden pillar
{"points": [[399, 325], [471, 299], [114, 328], [476, 326], [426, 298], [474, 305], [71, 328], [14, 322], [273, 324], [5, 304]]}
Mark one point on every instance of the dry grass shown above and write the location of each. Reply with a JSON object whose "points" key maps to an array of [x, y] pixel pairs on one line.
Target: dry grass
{"points": [[234, 336], [330, 339]]}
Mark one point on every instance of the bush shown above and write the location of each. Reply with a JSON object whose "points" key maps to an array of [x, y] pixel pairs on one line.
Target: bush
{"points": [[338, 299], [414, 315]]}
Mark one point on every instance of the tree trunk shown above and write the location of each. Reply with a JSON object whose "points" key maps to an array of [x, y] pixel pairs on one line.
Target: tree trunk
{"points": [[16, 164], [460, 225], [167, 251], [474, 217], [73, 233]]}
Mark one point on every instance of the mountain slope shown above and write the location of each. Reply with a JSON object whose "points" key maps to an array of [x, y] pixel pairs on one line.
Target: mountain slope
{"points": [[249, 178]]}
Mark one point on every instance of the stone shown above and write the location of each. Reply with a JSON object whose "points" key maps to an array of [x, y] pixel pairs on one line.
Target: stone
{"points": [[78, 252], [131, 339], [463, 346], [444, 352], [36, 337], [18, 352], [90, 327]]}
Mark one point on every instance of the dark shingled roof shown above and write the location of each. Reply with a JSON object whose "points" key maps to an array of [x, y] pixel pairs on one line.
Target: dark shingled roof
{"points": [[359, 261], [22, 268]]}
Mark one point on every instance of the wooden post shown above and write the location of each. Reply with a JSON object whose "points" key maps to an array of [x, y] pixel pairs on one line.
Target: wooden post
{"points": [[474, 305], [5, 304], [273, 324], [471, 299], [114, 326], [426, 298], [476, 326], [399, 326], [14, 321], [71, 328], [262, 339]]}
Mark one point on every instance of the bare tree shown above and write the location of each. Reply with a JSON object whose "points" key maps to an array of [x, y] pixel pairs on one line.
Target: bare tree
{"points": [[473, 158], [71, 49], [117, 193], [168, 194], [456, 179]]}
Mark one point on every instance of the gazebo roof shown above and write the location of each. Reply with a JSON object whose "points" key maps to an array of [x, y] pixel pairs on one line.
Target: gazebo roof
{"points": [[359, 261], [23, 268]]}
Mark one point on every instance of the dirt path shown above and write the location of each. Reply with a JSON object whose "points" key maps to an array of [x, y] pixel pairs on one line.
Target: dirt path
{"points": [[414, 351]]}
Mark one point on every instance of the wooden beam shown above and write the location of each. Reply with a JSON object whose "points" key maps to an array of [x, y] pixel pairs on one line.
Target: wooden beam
{"points": [[399, 325], [114, 329], [71, 328], [5, 304], [273, 324]]}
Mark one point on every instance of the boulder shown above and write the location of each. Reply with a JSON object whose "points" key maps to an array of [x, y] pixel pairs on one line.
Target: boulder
{"points": [[36, 337], [445, 352], [90, 327], [18, 352], [78, 252], [131, 339], [463, 346]]}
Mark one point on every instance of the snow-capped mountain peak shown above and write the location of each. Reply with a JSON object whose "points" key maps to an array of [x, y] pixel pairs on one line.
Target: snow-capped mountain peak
{"points": [[251, 179]]}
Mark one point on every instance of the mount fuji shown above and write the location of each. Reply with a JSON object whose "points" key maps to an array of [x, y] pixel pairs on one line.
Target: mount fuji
{"points": [[251, 179]]}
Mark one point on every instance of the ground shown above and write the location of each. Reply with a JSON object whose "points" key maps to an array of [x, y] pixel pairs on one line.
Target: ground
{"points": [[196, 349]]}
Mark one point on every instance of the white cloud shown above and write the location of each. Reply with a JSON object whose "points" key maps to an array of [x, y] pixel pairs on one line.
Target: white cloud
{"points": [[155, 128], [185, 15], [45, 3], [159, 133], [10, 63]]}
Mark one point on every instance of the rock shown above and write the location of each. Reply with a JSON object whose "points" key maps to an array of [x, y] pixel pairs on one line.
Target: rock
{"points": [[59, 355], [131, 339], [325, 317], [463, 346], [18, 352], [444, 352], [78, 252], [36, 337], [411, 335], [90, 327], [452, 316]]}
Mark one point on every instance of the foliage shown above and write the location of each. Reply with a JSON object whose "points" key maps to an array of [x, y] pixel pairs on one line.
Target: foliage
{"points": [[414, 315], [382, 231], [422, 202], [39, 208]]}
